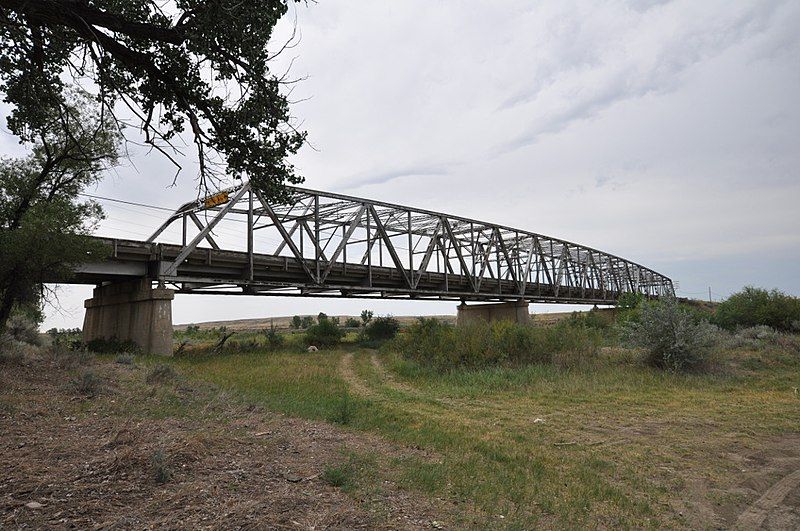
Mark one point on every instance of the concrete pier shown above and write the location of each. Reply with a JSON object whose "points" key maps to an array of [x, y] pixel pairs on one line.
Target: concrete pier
{"points": [[516, 311], [134, 311]]}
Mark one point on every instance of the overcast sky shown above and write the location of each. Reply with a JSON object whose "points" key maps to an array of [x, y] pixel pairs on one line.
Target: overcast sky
{"points": [[665, 132]]}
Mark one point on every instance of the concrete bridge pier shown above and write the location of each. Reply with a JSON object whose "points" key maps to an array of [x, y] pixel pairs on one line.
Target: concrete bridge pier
{"points": [[131, 311], [515, 311]]}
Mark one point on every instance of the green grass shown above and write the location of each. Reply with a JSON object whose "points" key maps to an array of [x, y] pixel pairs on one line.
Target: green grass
{"points": [[612, 429]]}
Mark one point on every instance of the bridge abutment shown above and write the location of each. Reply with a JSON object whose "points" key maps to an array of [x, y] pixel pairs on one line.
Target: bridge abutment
{"points": [[515, 311], [131, 311]]}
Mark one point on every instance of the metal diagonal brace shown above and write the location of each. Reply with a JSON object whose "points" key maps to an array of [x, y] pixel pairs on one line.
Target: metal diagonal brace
{"points": [[465, 271], [286, 237], [389, 246], [353, 226], [428, 253], [172, 268]]}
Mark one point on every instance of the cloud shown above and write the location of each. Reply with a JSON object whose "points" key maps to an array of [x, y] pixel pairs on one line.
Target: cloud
{"points": [[388, 176], [650, 52]]}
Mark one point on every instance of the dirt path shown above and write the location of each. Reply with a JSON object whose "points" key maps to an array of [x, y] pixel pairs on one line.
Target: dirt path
{"points": [[348, 373], [770, 504], [71, 461], [388, 378]]}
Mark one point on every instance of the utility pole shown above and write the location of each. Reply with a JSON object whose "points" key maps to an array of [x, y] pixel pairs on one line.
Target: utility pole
{"points": [[709, 294]]}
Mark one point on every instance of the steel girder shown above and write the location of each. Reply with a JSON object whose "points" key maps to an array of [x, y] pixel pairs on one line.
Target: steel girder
{"points": [[348, 246]]}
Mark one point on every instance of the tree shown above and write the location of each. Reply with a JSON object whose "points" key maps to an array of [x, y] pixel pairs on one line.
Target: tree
{"points": [[195, 65], [756, 306], [297, 322], [44, 227], [366, 316]]}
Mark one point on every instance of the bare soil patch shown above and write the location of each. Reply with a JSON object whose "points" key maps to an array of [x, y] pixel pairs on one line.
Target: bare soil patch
{"points": [[73, 461]]}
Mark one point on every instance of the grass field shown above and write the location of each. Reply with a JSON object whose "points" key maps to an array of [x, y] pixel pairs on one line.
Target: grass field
{"points": [[606, 443]]}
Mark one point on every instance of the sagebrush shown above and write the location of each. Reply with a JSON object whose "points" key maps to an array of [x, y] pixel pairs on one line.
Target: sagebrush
{"points": [[671, 336], [481, 344]]}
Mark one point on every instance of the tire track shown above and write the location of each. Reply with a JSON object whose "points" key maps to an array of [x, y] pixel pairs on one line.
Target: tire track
{"points": [[754, 516]]}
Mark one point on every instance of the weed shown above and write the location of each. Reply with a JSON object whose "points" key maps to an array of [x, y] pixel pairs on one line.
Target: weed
{"points": [[112, 346], [160, 374], [69, 359], [161, 471], [344, 411], [481, 344], [13, 351], [341, 476], [23, 329], [88, 384], [124, 359], [274, 339]]}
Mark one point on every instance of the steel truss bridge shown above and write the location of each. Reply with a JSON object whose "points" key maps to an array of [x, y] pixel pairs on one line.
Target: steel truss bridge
{"points": [[332, 245]]}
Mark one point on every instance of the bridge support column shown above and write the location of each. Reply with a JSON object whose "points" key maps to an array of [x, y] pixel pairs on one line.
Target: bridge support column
{"points": [[516, 311], [131, 311]]}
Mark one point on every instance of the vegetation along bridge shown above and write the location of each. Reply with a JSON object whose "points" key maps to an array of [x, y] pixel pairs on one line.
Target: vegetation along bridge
{"points": [[318, 244]]}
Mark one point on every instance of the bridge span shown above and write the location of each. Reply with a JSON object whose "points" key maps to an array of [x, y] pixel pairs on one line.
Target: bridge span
{"points": [[318, 244]]}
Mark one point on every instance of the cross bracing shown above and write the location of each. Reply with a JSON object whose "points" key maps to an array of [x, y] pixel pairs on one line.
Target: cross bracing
{"points": [[322, 244]]}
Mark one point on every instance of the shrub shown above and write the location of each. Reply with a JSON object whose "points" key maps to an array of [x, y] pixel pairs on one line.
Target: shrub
{"points": [[481, 344], [344, 411], [161, 472], [366, 316], [13, 351], [112, 346], [672, 338], [160, 374], [124, 359], [341, 476], [274, 339], [381, 328], [23, 329], [326, 333], [352, 323], [88, 383], [755, 306]]}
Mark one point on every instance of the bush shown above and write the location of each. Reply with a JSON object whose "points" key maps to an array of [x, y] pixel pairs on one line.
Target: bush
{"points": [[161, 472], [274, 339], [326, 333], [112, 346], [481, 344], [23, 329], [88, 384], [671, 336], [160, 374], [754, 306], [13, 351], [381, 329], [352, 323], [124, 359], [343, 414]]}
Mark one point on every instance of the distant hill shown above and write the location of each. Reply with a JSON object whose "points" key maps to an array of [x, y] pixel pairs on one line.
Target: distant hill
{"points": [[405, 320]]}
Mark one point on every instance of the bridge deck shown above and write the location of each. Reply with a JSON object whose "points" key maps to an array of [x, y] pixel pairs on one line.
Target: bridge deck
{"points": [[211, 271]]}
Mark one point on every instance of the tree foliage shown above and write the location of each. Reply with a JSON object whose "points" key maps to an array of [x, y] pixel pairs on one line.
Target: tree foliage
{"points": [[43, 225], [755, 306], [195, 65]]}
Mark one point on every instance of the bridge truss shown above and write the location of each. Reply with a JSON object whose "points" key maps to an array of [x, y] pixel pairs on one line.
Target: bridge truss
{"points": [[326, 244]]}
